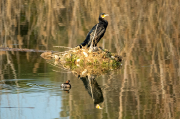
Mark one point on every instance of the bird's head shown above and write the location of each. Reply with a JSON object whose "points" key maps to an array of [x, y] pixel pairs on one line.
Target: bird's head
{"points": [[67, 81], [103, 15]]}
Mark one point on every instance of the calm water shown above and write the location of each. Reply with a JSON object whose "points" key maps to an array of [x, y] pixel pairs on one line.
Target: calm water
{"points": [[29, 91], [144, 32]]}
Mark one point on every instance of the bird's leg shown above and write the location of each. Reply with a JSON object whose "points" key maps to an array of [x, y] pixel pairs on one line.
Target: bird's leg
{"points": [[90, 49], [93, 49]]}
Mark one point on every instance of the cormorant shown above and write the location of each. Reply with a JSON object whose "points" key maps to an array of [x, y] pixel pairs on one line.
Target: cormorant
{"points": [[96, 33]]}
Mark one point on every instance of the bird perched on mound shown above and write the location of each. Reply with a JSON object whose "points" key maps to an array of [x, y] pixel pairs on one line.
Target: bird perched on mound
{"points": [[96, 33]]}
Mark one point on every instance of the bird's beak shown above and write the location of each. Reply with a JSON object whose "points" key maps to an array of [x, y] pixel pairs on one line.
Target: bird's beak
{"points": [[106, 14]]}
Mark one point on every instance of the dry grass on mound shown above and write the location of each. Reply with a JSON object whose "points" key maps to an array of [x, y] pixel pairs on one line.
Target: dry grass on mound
{"points": [[83, 61], [85, 57]]}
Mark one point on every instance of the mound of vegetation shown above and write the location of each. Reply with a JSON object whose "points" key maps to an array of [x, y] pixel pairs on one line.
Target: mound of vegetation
{"points": [[96, 61]]}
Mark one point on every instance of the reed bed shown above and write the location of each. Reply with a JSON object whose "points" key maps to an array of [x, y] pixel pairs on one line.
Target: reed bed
{"points": [[145, 32]]}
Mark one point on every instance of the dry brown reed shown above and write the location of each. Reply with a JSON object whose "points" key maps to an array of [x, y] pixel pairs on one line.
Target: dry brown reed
{"points": [[146, 32]]}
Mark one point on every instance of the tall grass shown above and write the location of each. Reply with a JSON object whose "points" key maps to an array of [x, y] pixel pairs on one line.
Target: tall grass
{"points": [[145, 32]]}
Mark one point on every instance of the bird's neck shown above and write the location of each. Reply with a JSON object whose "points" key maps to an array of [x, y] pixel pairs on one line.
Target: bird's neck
{"points": [[102, 20]]}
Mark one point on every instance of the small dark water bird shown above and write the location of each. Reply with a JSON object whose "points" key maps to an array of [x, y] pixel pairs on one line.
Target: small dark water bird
{"points": [[96, 33], [66, 85]]}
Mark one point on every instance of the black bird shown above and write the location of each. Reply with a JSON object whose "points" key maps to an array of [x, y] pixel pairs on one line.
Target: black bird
{"points": [[96, 33]]}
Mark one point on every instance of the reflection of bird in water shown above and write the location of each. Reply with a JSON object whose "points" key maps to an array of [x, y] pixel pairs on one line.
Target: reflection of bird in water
{"points": [[96, 33], [98, 106], [93, 89], [66, 86]]}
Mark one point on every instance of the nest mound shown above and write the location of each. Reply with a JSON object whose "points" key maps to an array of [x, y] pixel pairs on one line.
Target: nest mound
{"points": [[76, 59]]}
